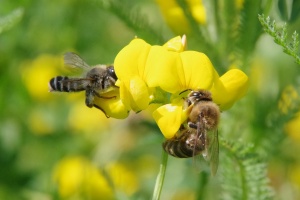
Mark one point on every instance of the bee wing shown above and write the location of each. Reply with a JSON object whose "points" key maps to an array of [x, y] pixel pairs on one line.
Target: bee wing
{"points": [[73, 60], [198, 146], [212, 150]]}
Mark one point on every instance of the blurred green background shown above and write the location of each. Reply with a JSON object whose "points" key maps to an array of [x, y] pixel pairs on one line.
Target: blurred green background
{"points": [[54, 147]]}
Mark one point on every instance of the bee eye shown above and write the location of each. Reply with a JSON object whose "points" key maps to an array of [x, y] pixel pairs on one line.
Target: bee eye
{"points": [[111, 72]]}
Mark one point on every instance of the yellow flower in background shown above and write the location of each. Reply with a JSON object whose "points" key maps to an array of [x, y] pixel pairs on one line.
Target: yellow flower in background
{"points": [[288, 100], [292, 127], [87, 122], [175, 17], [123, 178], [294, 174], [239, 4], [77, 177], [37, 73], [141, 68]]}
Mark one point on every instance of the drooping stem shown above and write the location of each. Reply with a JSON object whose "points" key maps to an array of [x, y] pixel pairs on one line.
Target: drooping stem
{"points": [[161, 176]]}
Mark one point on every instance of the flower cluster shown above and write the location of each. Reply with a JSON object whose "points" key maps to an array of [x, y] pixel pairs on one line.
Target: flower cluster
{"points": [[159, 74], [76, 177]]}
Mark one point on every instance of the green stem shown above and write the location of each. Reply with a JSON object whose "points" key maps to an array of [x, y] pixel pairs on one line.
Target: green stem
{"points": [[161, 176]]}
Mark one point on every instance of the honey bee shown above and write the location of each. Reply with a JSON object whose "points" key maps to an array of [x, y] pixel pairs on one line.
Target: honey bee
{"points": [[96, 81], [200, 136]]}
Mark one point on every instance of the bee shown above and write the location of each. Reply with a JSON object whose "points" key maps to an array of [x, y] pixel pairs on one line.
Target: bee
{"points": [[200, 135], [96, 81]]}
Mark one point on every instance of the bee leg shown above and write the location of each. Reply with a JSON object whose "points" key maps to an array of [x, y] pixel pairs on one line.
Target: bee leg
{"points": [[192, 125], [89, 98], [111, 80], [199, 128], [96, 106]]}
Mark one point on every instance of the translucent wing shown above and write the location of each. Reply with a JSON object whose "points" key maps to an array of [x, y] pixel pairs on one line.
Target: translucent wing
{"points": [[212, 150], [74, 61], [199, 145]]}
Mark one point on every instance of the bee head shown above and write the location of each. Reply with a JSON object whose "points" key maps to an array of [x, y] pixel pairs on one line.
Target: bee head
{"points": [[200, 95], [111, 72]]}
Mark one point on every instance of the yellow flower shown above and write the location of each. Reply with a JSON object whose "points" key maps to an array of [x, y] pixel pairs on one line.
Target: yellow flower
{"points": [[87, 123], [141, 68], [239, 4], [37, 73], [170, 116], [175, 17], [77, 177], [288, 100], [225, 91], [292, 128], [123, 178], [139, 65]]}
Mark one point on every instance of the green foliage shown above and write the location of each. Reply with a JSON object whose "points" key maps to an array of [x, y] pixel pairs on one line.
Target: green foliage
{"points": [[11, 19], [133, 19], [281, 37], [243, 173]]}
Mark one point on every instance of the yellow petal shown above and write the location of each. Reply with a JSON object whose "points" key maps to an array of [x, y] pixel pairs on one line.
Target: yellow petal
{"points": [[160, 69], [175, 72], [140, 93], [130, 61], [168, 119], [229, 88], [236, 82], [134, 94], [112, 105], [197, 70], [176, 44]]}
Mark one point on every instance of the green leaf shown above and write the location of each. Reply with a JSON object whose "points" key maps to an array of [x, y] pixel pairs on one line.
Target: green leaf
{"points": [[243, 173], [280, 37]]}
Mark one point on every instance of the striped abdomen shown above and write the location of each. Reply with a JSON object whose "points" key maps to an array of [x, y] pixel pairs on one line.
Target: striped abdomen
{"points": [[66, 84], [187, 144]]}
